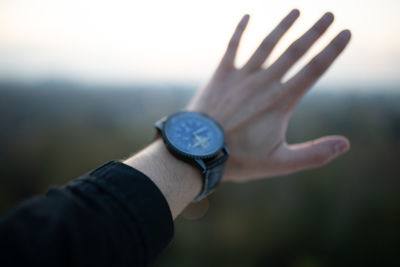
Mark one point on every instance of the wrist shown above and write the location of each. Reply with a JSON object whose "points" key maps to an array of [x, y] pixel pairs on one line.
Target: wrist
{"points": [[179, 181]]}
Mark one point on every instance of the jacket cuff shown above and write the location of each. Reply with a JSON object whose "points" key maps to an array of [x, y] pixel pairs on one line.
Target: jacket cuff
{"points": [[142, 199]]}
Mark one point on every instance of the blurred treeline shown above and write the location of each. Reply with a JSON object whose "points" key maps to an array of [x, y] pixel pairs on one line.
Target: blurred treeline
{"points": [[345, 214]]}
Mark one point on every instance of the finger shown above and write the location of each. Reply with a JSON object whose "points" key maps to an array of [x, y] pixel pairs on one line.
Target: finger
{"points": [[266, 46], [229, 57], [300, 46], [315, 153], [310, 73]]}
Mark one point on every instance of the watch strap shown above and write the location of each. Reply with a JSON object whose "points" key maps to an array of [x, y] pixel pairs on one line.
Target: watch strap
{"points": [[212, 173], [212, 177]]}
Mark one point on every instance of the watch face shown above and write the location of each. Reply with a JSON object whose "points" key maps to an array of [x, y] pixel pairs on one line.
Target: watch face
{"points": [[193, 134]]}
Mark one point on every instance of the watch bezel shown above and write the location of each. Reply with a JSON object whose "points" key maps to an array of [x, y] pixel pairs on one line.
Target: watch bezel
{"points": [[183, 154]]}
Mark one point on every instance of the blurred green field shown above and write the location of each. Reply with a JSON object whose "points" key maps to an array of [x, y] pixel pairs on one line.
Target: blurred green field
{"points": [[345, 214]]}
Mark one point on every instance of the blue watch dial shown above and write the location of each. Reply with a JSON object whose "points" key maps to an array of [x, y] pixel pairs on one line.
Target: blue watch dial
{"points": [[194, 134]]}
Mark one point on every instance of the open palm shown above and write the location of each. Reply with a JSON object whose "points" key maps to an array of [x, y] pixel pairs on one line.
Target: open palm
{"points": [[253, 105]]}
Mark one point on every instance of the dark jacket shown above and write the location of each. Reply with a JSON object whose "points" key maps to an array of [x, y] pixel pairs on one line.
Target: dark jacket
{"points": [[112, 216]]}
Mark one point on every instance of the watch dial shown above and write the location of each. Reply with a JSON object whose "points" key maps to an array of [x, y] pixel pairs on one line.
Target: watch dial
{"points": [[194, 134]]}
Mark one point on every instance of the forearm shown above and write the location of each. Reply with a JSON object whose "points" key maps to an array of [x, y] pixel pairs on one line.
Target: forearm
{"points": [[178, 181]]}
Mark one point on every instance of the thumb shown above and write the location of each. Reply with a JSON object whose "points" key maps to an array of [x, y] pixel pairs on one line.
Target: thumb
{"points": [[315, 153]]}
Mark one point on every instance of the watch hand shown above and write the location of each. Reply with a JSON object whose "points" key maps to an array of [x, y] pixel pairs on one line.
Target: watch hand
{"points": [[198, 140], [202, 141], [199, 130], [205, 142], [196, 144]]}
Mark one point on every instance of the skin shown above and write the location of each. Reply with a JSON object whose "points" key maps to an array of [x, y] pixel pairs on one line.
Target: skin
{"points": [[253, 106]]}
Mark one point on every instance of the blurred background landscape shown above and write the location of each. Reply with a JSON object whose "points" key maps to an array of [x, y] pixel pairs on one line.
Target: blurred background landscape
{"points": [[344, 214], [82, 82]]}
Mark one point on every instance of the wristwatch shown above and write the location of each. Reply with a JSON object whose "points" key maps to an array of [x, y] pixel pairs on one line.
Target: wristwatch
{"points": [[198, 140]]}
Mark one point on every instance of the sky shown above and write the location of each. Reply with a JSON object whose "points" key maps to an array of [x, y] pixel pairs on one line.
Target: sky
{"points": [[119, 41]]}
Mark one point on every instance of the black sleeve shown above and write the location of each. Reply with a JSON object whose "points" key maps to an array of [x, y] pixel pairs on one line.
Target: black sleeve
{"points": [[112, 216]]}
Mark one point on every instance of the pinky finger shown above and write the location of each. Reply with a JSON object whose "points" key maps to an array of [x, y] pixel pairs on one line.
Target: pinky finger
{"points": [[230, 54]]}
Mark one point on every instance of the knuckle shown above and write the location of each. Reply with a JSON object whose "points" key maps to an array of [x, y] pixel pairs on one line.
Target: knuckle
{"points": [[319, 159], [258, 80], [284, 25], [233, 43], [320, 26], [240, 27], [337, 47], [267, 43], [296, 49], [316, 66]]}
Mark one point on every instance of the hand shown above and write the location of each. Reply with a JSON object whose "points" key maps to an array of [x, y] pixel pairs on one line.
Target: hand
{"points": [[253, 105]]}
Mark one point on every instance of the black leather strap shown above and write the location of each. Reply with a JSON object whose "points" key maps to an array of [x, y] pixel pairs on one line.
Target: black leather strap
{"points": [[213, 175]]}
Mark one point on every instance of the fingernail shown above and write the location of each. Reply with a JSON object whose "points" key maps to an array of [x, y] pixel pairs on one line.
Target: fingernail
{"points": [[340, 147], [345, 35], [328, 17]]}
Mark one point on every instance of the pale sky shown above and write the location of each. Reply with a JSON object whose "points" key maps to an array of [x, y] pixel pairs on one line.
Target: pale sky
{"points": [[119, 41]]}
